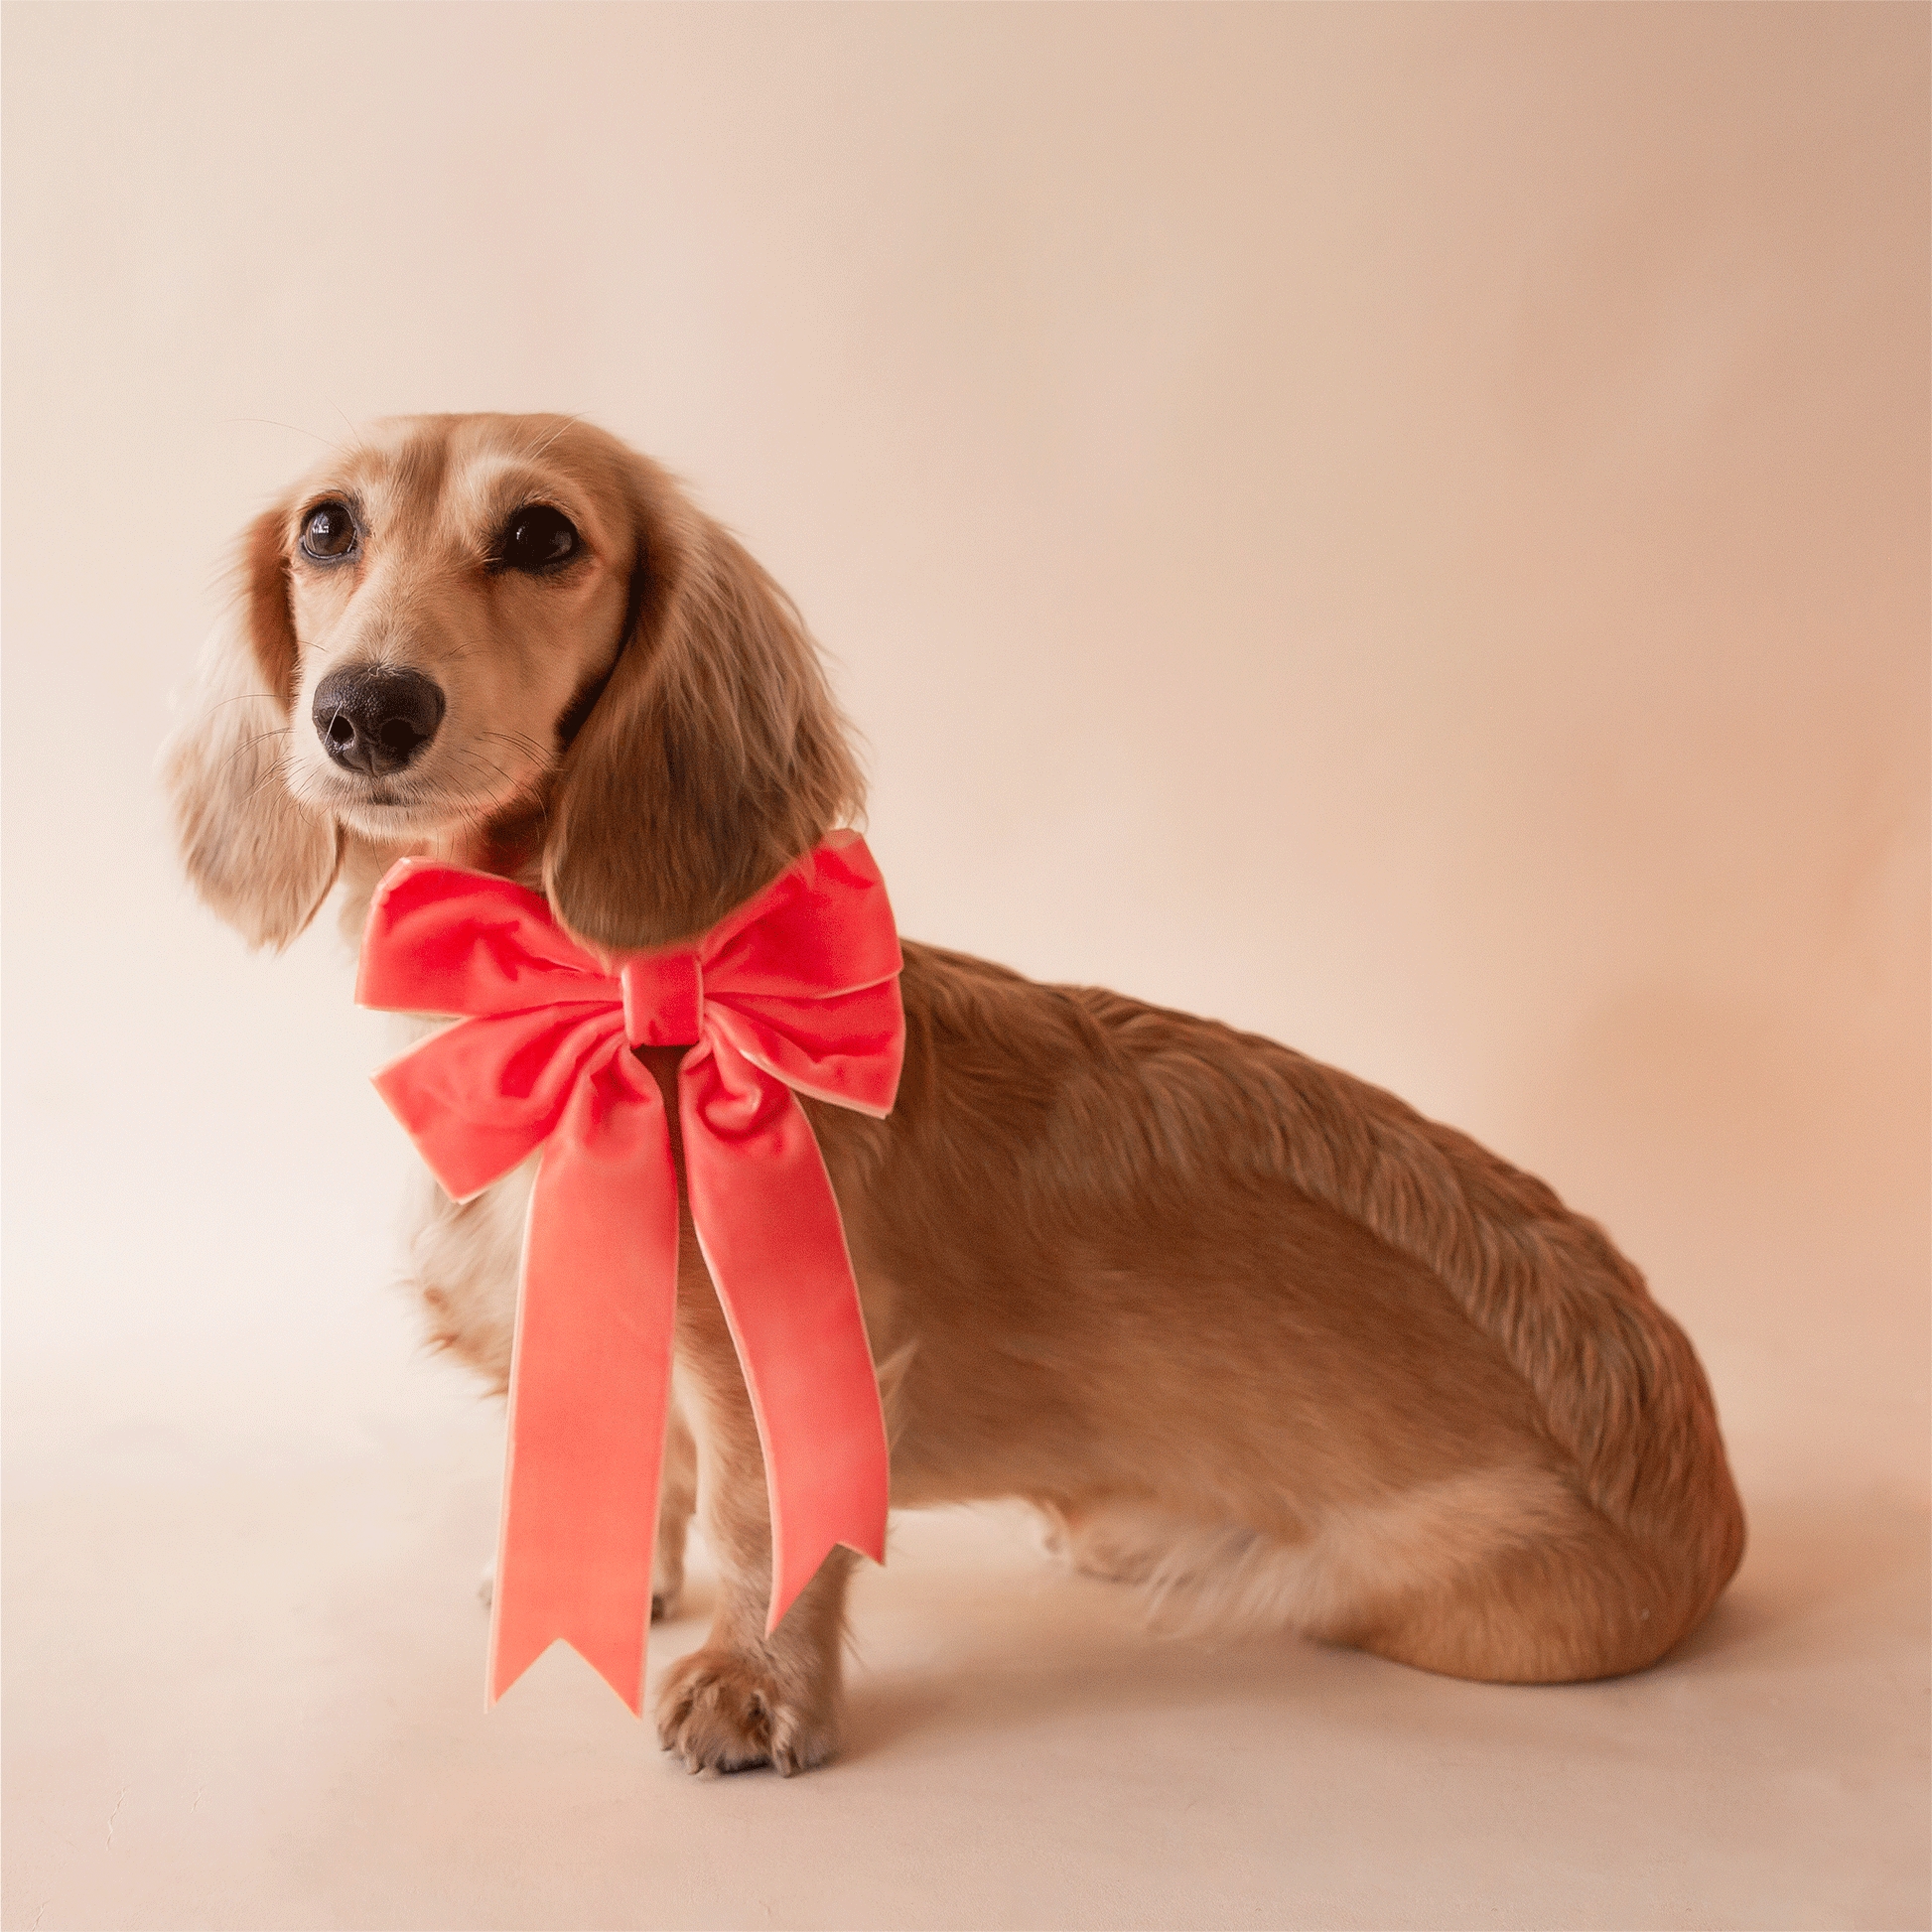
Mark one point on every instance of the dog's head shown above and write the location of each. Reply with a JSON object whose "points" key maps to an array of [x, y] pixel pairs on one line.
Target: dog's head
{"points": [[467, 630]]}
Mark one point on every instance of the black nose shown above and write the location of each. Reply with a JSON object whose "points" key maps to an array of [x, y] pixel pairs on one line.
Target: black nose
{"points": [[376, 719]]}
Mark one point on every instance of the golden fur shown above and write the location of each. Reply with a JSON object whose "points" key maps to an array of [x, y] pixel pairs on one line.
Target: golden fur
{"points": [[1248, 1333]]}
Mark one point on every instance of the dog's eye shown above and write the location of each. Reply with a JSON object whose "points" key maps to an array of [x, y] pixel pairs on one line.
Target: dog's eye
{"points": [[330, 531], [539, 537]]}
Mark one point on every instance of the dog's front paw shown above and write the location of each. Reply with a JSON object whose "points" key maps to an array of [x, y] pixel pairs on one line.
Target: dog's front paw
{"points": [[720, 1711]]}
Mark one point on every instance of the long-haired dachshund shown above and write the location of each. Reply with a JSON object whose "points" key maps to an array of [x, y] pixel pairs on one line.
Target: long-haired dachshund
{"points": [[1247, 1333]]}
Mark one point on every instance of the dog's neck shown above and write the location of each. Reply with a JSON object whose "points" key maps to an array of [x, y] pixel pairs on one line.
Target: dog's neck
{"points": [[510, 846]]}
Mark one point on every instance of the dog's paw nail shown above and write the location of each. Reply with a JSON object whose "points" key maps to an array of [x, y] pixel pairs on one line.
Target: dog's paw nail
{"points": [[722, 1711]]}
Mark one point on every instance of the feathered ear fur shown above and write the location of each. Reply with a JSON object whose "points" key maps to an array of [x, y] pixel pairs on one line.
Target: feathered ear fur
{"points": [[714, 754], [261, 861]]}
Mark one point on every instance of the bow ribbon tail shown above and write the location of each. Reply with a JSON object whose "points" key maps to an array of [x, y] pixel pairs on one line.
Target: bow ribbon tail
{"points": [[769, 1226], [590, 1383]]}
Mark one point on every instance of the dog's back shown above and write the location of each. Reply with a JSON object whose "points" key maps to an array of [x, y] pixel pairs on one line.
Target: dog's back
{"points": [[1256, 1333]]}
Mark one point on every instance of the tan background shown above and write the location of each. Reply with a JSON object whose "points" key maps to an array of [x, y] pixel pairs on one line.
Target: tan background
{"points": [[1404, 529]]}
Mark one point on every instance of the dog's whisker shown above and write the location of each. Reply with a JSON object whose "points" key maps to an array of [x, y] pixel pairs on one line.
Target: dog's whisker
{"points": [[355, 443], [260, 738], [543, 448], [296, 429], [241, 697], [276, 768], [479, 758], [521, 741]]}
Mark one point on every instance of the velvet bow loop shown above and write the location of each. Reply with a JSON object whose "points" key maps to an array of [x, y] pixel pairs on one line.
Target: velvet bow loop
{"points": [[442, 939], [540, 1016]]}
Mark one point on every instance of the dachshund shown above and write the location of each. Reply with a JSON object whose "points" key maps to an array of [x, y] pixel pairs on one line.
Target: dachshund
{"points": [[1247, 1333]]}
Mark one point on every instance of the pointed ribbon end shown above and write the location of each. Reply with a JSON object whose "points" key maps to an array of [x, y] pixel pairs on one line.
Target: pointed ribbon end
{"points": [[625, 1676], [793, 1573]]}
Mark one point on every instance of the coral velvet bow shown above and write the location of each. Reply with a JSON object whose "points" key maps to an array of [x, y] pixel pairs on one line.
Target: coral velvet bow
{"points": [[798, 988]]}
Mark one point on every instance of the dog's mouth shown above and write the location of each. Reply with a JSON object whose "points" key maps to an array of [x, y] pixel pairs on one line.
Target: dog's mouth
{"points": [[391, 809], [386, 813]]}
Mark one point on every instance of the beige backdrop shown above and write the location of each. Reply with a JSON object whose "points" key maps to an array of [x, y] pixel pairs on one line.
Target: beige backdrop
{"points": [[1402, 529]]}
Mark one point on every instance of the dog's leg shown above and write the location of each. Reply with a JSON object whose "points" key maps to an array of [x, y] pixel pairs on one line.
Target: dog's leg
{"points": [[677, 1497], [1119, 1540], [746, 1699], [464, 1265], [1574, 1598]]}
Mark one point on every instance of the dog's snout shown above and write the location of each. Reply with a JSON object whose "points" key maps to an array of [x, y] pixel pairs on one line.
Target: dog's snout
{"points": [[376, 719]]}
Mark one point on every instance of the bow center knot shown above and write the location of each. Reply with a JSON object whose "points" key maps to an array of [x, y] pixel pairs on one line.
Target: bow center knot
{"points": [[664, 1000]]}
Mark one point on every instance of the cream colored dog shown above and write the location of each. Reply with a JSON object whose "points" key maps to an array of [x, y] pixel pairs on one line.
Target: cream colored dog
{"points": [[1248, 1333]]}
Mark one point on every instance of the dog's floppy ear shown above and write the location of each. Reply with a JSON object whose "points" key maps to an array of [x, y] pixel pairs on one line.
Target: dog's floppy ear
{"points": [[260, 860], [712, 756]]}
